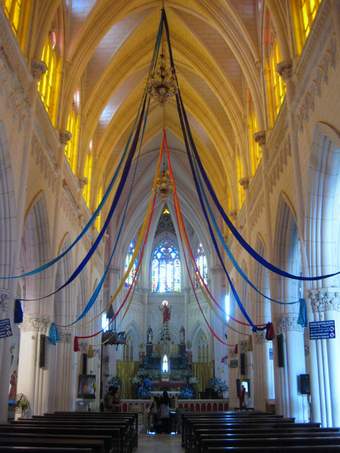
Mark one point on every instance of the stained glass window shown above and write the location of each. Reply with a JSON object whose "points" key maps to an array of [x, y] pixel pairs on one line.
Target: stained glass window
{"points": [[128, 258], [166, 268], [201, 262], [304, 17], [49, 83]]}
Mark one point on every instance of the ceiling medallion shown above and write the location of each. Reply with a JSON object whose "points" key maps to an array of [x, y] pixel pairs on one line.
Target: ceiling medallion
{"points": [[164, 185], [162, 84]]}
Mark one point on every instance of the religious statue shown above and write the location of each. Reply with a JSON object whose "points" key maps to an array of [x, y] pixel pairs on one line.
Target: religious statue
{"points": [[182, 335], [149, 336], [13, 386], [166, 311]]}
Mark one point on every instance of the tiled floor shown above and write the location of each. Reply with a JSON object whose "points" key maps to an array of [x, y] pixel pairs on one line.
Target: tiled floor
{"points": [[162, 443]]}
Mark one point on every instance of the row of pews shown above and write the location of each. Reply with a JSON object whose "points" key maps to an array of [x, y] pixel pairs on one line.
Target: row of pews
{"points": [[248, 432], [71, 432]]}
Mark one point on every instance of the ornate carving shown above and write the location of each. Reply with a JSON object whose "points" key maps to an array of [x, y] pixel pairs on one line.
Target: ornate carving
{"points": [[259, 337], [64, 137], [320, 77], [38, 68], [35, 324], [260, 137], [65, 337], [285, 69], [4, 298], [325, 299], [288, 323], [244, 182]]}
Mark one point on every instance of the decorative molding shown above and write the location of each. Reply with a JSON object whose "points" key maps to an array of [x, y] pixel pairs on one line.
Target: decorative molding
{"points": [[46, 163], [288, 323], [244, 182], [4, 300], [320, 77], [285, 69], [38, 68], [35, 324], [14, 97], [260, 137], [325, 299], [64, 137]]}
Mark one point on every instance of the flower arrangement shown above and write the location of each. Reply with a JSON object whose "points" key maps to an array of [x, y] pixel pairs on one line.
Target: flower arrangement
{"points": [[22, 403], [144, 390], [115, 381], [186, 393], [217, 385]]}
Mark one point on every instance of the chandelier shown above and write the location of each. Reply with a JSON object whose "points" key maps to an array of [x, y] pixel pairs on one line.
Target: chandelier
{"points": [[164, 185], [162, 84]]}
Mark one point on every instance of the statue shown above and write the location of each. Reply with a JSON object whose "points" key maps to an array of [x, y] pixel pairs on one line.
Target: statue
{"points": [[166, 311], [182, 335], [149, 336]]}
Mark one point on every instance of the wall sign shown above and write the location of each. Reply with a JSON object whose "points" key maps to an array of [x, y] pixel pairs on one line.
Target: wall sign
{"points": [[5, 328], [322, 330]]}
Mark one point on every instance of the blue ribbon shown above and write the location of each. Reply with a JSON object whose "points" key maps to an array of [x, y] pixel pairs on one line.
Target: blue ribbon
{"points": [[233, 289], [115, 201], [229, 252], [186, 127], [229, 223], [99, 286], [92, 219]]}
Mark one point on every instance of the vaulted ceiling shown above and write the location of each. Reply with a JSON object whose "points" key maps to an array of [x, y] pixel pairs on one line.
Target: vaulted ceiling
{"points": [[217, 52]]}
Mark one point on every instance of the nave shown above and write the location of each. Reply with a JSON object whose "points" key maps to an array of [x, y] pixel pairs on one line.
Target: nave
{"points": [[238, 432], [169, 214]]}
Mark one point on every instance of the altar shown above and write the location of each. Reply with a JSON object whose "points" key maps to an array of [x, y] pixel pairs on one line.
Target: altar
{"points": [[165, 365]]}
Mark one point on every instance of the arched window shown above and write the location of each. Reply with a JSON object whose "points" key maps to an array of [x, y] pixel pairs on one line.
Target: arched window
{"points": [[239, 174], [71, 149], [227, 306], [201, 263], [128, 350], [98, 222], [304, 16], [128, 259], [254, 147], [18, 13], [88, 177], [165, 364], [276, 89], [49, 83], [166, 268]]}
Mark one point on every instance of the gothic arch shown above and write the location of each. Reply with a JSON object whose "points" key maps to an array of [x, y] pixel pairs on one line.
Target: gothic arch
{"points": [[322, 204], [8, 224]]}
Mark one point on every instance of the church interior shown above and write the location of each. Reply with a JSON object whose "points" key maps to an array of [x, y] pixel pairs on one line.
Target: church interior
{"points": [[169, 224]]}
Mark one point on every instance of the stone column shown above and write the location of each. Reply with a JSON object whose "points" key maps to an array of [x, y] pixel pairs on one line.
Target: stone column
{"points": [[31, 377], [220, 350], [260, 371], [291, 402], [325, 366]]}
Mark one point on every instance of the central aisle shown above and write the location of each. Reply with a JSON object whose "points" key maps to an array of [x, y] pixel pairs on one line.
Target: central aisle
{"points": [[161, 443]]}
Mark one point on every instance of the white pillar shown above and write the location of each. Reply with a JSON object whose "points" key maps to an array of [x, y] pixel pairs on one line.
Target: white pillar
{"points": [[260, 371], [292, 403], [31, 377], [325, 366]]}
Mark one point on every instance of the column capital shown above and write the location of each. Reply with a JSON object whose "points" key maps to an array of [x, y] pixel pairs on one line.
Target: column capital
{"points": [[260, 138], [35, 324], [287, 322], [38, 68], [285, 69], [325, 299], [64, 137], [244, 182], [259, 337]]}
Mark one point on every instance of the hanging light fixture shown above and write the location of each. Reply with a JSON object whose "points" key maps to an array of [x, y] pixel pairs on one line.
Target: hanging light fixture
{"points": [[162, 84]]}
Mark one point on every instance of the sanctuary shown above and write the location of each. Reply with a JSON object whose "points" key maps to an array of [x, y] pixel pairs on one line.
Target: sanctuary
{"points": [[169, 223]]}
